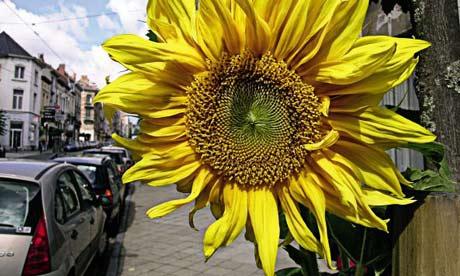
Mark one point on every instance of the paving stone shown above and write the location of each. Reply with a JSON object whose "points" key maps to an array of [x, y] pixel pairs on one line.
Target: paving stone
{"points": [[168, 246]]}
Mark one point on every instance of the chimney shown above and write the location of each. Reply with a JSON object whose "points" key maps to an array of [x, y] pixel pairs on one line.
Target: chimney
{"points": [[61, 69], [84, 79], [42, 57]]}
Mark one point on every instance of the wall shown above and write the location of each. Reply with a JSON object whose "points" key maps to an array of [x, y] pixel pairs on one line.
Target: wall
{"points": [[30, 112]]}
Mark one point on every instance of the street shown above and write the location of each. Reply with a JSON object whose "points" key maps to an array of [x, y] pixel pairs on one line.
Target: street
{"points": [[167, 246]]}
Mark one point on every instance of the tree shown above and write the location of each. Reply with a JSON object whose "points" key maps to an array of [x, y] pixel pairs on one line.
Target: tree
{"points": [[428, 243], [438, 73]]}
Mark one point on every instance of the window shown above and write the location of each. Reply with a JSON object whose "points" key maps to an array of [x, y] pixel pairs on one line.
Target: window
{"points": [[69, 195], [112, 179], [88, 99], [19, 72], [35, 101], [59, 208], [88, 114], [17, 98], [36, 78], [85, 188]]}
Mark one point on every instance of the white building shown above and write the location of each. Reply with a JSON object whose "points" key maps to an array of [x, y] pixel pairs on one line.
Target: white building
{"points": [[20, 94]]}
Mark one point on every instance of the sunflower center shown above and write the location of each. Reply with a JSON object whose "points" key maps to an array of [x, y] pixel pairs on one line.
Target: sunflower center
{"points": [[248, 118]]}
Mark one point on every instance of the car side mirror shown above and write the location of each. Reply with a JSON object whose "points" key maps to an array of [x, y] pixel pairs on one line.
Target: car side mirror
{"points": [[128, 162]]}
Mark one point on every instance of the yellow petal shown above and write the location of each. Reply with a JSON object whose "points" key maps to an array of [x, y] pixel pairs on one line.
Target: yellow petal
{"points": [[180, 13], [359, 63], [376, 125], [376, 198], [201, 180], [375, 167], [343, 30], [258, 33], [201, 202], [363, 215], [325, 105], [294, 29], [295, 222], [343, 181], [313, 197], [398, 69], [355, 103], [330, 139], [151, 58], [164, 169], [161, 131], [263, 211], [134, 93], [227, 228], [318, 18], [232, 35]]}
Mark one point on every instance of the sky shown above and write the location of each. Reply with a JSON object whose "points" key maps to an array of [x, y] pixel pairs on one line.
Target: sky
{"points": [[74, 42]]}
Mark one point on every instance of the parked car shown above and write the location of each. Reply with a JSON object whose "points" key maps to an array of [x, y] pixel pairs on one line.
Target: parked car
{"points": [[106, 183], [117, 154], [51, 222]]}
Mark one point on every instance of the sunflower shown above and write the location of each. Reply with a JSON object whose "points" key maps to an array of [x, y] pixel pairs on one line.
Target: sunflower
{"points": [[255, 107]]}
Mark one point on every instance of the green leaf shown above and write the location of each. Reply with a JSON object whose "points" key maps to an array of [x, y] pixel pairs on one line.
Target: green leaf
{"points": [[433, 151], [290, 271], [430, 180], [306, 259]]}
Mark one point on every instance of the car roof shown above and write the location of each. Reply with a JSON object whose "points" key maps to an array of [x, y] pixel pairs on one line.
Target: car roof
{"points": [[113, 148], [25, 168], [102, 150], [95, 161]]}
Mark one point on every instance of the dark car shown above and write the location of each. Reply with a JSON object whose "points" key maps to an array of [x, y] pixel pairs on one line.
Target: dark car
{"points": [[51, 222], [106, 183], [119, 155]]}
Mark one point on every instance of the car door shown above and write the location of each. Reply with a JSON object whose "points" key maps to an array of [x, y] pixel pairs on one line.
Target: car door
{"points": [[117, 180], [114, 185], [95, 212], [76, 225]]}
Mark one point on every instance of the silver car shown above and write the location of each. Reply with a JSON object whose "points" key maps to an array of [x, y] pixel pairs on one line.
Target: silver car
{"points": [[51, 223]]}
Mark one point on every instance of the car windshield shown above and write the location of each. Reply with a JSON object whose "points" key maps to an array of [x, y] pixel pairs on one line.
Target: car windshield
{"points": [[16, 200], [94, 175]]}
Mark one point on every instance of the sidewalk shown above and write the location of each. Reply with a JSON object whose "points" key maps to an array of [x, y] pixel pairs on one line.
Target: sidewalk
{"points": [[30, 154], [168, 246]]}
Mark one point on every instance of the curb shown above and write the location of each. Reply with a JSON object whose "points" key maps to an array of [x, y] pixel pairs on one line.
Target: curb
{"points": [[113, 267]]}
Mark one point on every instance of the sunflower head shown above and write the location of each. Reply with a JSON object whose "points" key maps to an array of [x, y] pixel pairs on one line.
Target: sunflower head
{"points": [[249, 119], [257, 107]]}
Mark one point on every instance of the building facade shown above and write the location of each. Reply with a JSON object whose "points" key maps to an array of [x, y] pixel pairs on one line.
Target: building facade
{"points": [[88, 112], [20, 93]]}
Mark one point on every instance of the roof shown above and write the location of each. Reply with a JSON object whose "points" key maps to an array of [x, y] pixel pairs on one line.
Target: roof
{"points": [[9, 46], [25, 168], [95, 161]]}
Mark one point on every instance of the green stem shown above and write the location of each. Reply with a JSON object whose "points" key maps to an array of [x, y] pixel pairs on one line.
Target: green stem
{"points": [[340, 244], [359, 266]]}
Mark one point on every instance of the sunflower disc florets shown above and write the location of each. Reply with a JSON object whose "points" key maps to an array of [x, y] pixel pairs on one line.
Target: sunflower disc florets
{"points": [[248, 118]]}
